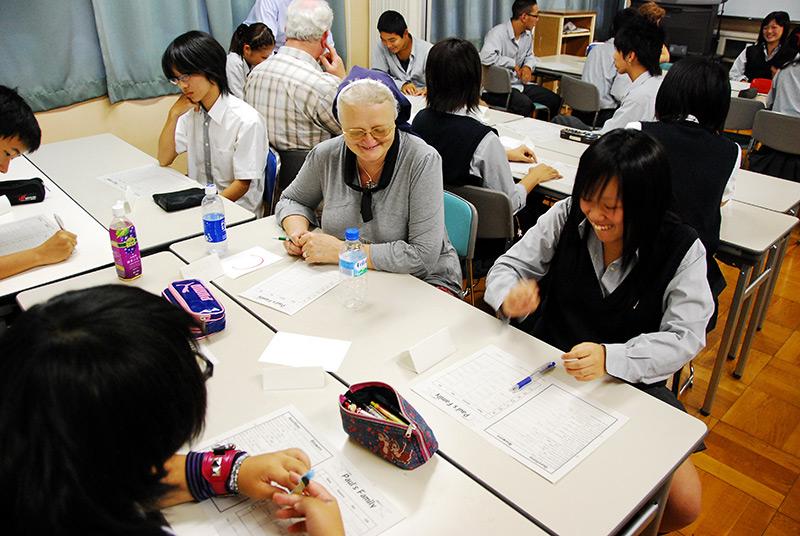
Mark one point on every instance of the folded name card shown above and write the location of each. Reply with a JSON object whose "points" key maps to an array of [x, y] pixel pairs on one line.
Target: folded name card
{"points": [[428, 352]]}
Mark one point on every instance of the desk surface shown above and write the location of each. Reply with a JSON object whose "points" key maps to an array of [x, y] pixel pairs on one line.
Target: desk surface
{"points": [[75, 165], [561, 64], [765, 191], [236, 397], [93, 250], [491, 116], [402, 311], [751, 229]]}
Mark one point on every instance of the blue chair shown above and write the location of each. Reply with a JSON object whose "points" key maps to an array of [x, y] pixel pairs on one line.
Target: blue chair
{"points": [[461, 221], [273, 165]]}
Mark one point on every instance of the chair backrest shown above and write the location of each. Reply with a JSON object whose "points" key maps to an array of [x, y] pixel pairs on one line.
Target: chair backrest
{"points": [[497, 80], [270, 176], [580, 95], [291, 162], [777, 131], [495, 214], [461, 220], [742, 113]]}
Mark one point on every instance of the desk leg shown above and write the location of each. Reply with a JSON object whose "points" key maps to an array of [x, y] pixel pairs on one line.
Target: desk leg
{"points": [[648, 518], [784, 244], [727, 335], [745, 310]]}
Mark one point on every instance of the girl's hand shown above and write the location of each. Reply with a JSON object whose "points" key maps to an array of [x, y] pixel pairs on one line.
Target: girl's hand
{"points": [[521, 154], [257, 472], [316, 505], [586, 361], [522, 300]]}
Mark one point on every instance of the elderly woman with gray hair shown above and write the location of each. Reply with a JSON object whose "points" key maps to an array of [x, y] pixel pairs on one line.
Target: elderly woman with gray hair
{"points": [[378, 178]]}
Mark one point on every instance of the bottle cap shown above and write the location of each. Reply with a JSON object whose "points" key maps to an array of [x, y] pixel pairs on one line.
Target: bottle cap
{"points": [[351, 234], [118, 210], [211, 189]]}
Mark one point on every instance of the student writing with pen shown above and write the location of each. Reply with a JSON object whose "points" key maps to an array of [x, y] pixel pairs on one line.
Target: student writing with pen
{"points": [[617, 283], [19, 133]]}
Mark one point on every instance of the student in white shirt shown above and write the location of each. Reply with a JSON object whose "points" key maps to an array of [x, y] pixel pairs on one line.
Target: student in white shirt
{"points": [[225, 137], [250, 45], [400, 55], [756, 60]]}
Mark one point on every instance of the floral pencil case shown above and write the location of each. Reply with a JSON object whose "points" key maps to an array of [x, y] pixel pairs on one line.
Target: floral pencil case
{"points": [[381, 420]]}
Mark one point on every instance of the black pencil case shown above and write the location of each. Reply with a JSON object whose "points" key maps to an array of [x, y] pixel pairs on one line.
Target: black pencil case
{"points": [[407, 444], [172, 201], [22, 191]]}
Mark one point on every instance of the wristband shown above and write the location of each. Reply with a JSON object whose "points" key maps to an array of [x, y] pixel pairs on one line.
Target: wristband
{"points": [[216, 467]]}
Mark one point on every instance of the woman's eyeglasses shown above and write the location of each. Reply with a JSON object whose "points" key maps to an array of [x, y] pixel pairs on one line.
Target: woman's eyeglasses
{"points": [[378, 133]]}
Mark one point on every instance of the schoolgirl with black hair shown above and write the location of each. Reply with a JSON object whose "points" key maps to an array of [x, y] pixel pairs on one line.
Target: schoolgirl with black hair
{"points": [[250, 45], [756, 61]]}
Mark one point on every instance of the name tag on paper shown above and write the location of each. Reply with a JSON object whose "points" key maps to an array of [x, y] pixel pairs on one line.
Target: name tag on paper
{"points": [[428, 352]]}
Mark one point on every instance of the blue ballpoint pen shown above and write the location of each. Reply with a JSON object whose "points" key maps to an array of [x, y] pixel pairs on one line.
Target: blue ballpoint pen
{"points": [[538, 372]]}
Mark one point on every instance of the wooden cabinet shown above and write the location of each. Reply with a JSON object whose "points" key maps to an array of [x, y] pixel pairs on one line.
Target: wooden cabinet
{"points": [[551, 36]]}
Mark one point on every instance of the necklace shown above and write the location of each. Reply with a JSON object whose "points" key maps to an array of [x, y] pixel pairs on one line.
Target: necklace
{"points": [[371, 183]]}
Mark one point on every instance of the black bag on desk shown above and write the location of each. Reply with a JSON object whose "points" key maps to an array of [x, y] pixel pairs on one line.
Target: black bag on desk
{"points": [[172, 201], [21, 191]]}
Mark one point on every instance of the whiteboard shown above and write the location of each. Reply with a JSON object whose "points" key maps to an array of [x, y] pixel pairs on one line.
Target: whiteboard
{"points": [[758, 10]]}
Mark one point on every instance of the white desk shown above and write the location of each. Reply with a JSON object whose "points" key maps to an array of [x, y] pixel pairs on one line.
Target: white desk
{"points": [[429, 496], [75, 165], [93, 250], [560, 64], [768, 192], [403, 310], [543, 134]]}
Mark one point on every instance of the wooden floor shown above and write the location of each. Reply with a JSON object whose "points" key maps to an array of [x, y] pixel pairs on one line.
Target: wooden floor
{"points": [[751, 469]]}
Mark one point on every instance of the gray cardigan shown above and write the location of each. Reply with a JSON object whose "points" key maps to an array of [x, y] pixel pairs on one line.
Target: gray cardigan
{"points": [[407, 233]]}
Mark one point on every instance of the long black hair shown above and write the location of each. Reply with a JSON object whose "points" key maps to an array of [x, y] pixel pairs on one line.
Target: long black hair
{"points": [[453, 76], [99, 388], [782, 19], [695, 86], [196, 52]]}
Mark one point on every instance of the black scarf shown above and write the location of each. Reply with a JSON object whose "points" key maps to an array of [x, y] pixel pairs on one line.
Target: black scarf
{"points": [[351, 170]]}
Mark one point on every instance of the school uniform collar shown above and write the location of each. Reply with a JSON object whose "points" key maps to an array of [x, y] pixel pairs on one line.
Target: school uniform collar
{"points": [[510, 31], [217, 111]]}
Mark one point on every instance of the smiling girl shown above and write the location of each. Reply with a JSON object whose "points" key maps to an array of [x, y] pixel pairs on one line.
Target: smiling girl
{"points": [[755, 61]]}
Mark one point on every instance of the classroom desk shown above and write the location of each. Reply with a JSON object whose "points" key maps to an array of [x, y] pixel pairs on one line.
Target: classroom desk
{"points": [[559, 65], [93, 250], [543, 134], [75, 164], [768, 192], [401, 311], [428, 496]]}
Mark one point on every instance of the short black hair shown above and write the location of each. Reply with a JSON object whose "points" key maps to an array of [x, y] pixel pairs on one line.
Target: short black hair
{"points": [[641, 167], [695, 86], [256, 36], [643, 38], [789, 50], [782, 19], [93, 406], [520, 7], [17, 119], [453, 75], [196, 52], [392, 22], [623, 17]]}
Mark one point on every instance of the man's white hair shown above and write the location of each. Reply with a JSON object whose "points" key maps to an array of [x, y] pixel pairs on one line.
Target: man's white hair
{"points": [[366, 91], [308, 20]]}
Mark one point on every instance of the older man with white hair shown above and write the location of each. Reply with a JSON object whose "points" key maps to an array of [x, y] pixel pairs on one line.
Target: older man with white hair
{"points": [[295, 88]]}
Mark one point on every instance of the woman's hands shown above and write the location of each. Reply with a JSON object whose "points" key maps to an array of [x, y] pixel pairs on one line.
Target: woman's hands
{"points": [[318, 508]]}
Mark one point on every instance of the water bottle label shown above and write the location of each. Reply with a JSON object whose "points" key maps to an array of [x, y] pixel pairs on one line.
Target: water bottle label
{"points": [[214, 229], [353, 268], [125, 248]]}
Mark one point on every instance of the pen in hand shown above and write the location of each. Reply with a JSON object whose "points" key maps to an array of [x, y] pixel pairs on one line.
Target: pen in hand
{"points": [[59, 221], [528, 379], [304, 480], [282, 238]]}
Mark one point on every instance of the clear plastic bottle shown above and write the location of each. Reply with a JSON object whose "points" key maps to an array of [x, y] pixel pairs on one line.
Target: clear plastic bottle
{"points": [[124, 245], [214, 222], [352, 271]]}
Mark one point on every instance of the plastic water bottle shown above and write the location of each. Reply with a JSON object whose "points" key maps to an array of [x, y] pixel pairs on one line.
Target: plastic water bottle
{"points": [[352, 271], [124, 245], [214, 222]]}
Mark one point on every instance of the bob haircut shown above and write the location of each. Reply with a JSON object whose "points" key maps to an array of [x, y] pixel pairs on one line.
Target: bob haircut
{"points": [[17, 119], [519, 7], [392, 22], [100, 387], [453, 76], [196, 52], [623, 17], [308, 20], [698, 87], [256, 36], [781, 18], [643, 38], [641, 167]]}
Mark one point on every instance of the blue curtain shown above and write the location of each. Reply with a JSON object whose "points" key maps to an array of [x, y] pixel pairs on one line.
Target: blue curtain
{"points": [[58, 53]]}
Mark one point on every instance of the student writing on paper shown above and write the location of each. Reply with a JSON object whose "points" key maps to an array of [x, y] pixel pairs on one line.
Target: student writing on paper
{"points": [[250, 45], [623, 284], [376, 177], [19, 133], [100, 388], [225, 138]]}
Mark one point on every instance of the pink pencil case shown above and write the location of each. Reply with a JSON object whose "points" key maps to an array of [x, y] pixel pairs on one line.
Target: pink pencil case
{"points": [[195, 298]]}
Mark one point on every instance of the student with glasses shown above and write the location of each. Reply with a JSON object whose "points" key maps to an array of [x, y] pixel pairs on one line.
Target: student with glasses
{"points": [[100, 388], [379, 179]]}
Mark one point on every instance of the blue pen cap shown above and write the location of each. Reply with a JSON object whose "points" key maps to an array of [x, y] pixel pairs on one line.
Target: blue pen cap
{"points": [[351, 234]]}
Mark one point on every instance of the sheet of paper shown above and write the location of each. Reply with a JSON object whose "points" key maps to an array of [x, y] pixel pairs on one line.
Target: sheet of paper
{"points": [[205, 268], [247, 261], [365, 510], [305, 351], [519, 170], [293, 288], [27, 233], [147, 180], [547, 425], [537, 131]]}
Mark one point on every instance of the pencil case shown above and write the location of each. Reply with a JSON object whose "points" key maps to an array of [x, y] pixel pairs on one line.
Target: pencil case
{"points": [[22, 191], [195, 298], [172, 201], [407, 441]]}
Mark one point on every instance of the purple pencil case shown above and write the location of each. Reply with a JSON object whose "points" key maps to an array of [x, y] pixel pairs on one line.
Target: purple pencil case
{"points": [[195, 298]]}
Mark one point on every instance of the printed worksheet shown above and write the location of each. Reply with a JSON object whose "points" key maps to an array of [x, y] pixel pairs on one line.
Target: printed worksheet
{"points": [[536, 133], [293, 288], [547, 425], [365, 511], [25, 234], [568, 171], [147, 180]]}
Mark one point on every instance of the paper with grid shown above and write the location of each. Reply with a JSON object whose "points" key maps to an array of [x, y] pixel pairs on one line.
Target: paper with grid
{"points": [[25, 234], [293, 288]]}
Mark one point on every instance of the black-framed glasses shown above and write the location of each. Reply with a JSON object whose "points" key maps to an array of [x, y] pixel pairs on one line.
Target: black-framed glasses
{"points": [[533, 15], [206, 366], [378, 133], [182, 78]]}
